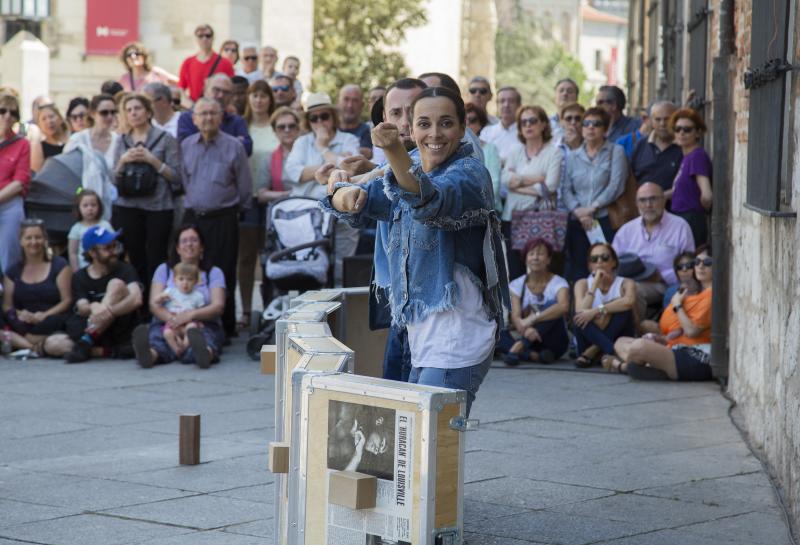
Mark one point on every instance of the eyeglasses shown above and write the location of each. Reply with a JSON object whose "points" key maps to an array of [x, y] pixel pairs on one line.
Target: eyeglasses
{"points": [[529, 122], [207, 36], [250, 58], [76, 117], [648, 200], [590, 123], [14, 113], [134, 54], [286, 128], [106, 113], [324, 116], [707, 262], [684, 129], [188, 240], [283, 88], [572, 118], [685, 266], [605, 258], [479, 91]]}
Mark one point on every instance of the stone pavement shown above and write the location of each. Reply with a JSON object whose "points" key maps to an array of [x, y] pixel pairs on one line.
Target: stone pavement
{"points": [[88, 456]]}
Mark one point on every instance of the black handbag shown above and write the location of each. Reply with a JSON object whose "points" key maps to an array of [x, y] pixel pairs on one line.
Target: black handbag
{"points": [[138, 179]]}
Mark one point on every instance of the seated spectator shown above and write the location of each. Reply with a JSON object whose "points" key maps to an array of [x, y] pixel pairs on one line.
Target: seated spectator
{"points": [[603, 306], [195, 70], [37, 291], [182, 297], [595, 176], [657, 158], [477, 119], [15, 176], [249, 67], [566, 93], [683, 266], [505, 135], [89, 212], [78, 114], [107, 295], [138, 70], [539, 304], [52, 136], [682, 351], [691, 190], [283, 90], [350, 106], [612, 99], [531, 174], [656, 237], [205, 343], [164, 115]]}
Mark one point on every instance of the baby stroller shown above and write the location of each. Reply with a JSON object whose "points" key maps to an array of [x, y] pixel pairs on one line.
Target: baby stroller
{"points": [[297, 257], [51, 195]]}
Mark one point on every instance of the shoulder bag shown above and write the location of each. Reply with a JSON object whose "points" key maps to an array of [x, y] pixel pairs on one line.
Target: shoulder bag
{"points": [[138, 179], [541, 221], [624, 208]]}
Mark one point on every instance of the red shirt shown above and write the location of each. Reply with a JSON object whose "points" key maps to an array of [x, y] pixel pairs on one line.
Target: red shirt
{"points": [[15, 163], [193, 73]]}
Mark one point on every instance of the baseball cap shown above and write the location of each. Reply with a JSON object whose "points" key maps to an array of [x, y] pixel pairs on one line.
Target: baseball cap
{"points": [[98, 235]]}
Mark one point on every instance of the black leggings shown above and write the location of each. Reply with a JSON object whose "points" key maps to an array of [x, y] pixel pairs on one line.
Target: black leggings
{"points": [[553, 334], [145, 234]]}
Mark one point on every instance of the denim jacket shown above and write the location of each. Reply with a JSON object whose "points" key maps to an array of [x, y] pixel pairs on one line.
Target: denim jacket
{"points": [[449, 224]]}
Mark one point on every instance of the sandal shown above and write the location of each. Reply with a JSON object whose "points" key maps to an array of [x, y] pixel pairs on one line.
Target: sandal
{"points": [[589, 357], [243, 322], [612, 364]]}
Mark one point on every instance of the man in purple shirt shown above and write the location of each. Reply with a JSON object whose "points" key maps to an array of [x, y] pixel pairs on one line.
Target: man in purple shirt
{"points": [[219, 88], [218, 184], [657, 237]]}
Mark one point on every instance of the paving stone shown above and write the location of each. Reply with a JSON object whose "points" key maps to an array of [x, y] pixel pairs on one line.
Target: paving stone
{"points": [[548, 428], [671, 537], [261, 493], [482, 539], [15, 512], [208, 537], [756, 527], [20, 427], [475, 510], [531, 494], [263, 528], [215, 424]]}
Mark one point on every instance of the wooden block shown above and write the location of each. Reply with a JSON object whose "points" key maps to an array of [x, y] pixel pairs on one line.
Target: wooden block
{"points": [[189, 439], [268, 356], [353, 490], [279, 457]]}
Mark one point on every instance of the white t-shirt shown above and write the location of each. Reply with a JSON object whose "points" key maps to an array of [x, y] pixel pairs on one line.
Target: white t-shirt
{"points": [[614, 292], [456, 338], [529, 299], [179, 302], [171, 126], [504, 139]]}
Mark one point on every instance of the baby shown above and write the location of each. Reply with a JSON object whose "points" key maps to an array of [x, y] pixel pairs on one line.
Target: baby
{"points": [[179, 298]]}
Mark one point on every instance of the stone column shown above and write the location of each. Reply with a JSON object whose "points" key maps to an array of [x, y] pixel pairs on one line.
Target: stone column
{"points": [[289, 27], [25, 66]]}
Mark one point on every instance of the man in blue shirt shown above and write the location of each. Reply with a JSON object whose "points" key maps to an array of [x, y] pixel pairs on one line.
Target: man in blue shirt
{"points": [[612, 99]]}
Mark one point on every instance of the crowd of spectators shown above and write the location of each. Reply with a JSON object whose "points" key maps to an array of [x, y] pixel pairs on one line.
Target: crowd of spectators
{"points": [[176, 172]]}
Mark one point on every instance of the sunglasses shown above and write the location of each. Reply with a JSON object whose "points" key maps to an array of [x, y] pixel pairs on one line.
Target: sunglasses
{"points": [[106, 113], [176, 102], [207, 36], [134, 54], [685, 266], [572, 118], [529, 122], [605, 258], [13, 113], [287, 128], [230, 50], [31, 222], [283, 88], [479, 91], [324, 116], [707, 262], [76, 117], [250, 58], [684, 129], [590, 123]]}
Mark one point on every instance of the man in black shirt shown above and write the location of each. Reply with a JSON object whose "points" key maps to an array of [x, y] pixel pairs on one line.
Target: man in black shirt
{"points": [[657, 158], [107, 295]]}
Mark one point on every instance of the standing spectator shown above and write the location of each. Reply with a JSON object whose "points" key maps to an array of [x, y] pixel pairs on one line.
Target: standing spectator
{"points": [[504, 135], [612, 99], [107, 295], [480, 94], [569, 118], [218, 183], [52, 135], [111, 88], [691, 191], [37, 292], [269, 58], [566, 93], [291, 67], [138, 70], [374, 95], [657, 158], [249, 67], [15, 175], [477, 119], [177, 98], [220, 89], [257, 114], [89, 212], [239, 86], [595, 175], [78, 114], [197, 68], [145, 217], [283, 90], [164, 115], [603, 306], [532, 173], [657, 238], [632, 138], [275, 182], [98, 145], [350, 106], [230, 50]]}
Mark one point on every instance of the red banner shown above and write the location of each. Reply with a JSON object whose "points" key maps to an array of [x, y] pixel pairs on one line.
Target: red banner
{"points": [[110, 25]]}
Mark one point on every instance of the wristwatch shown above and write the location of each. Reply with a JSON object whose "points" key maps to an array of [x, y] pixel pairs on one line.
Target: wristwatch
{"points": [[602, 309], [676, 308]]}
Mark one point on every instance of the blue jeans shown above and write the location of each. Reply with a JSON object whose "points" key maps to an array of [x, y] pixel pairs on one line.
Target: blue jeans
{"points": [[620, 325], [397, 355], [465, 378], [11, 216]]}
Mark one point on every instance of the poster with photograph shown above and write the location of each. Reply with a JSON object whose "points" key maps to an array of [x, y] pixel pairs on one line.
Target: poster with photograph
{"points": [[375, 441]]}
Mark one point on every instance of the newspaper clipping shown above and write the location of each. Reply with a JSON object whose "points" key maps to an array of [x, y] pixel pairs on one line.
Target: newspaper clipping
{"points": [[376, 441]]}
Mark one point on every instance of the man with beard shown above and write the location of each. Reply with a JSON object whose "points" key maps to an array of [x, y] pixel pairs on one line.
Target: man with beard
{"points": [[107, 295], [657, 158], [350, 104]]}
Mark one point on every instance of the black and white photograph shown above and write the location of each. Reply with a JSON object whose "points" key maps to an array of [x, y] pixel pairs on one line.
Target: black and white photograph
{"points": [[361, 438]]}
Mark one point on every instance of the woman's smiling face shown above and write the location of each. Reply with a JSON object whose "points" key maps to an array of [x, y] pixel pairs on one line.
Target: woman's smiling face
{"points": [[436, 129]]}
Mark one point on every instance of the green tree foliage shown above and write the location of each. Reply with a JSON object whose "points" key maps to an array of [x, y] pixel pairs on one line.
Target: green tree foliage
{"points": [[531, 61], [354, 41]]}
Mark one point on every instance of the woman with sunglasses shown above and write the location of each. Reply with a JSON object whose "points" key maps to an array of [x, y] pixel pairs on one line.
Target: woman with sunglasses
{"points": [[138, 70], [52, 137], [98, 145], [683, 265], [683, 349], [531, 175], [15, 175], [604, 304], [594, 177], [230, 50], [691, 191], [78, 114]]}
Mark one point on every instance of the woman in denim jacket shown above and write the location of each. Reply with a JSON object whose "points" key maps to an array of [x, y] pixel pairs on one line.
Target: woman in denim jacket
{"points": [[442, 265]]}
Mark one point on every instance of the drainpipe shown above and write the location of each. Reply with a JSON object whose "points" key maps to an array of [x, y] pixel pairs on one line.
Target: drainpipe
{"points": [[723, 79]]}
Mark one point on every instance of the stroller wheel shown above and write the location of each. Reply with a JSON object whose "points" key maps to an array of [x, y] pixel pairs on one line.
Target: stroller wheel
{"points": [[254, 343], [255, 322]]}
